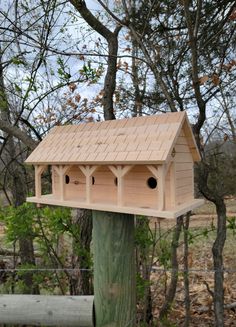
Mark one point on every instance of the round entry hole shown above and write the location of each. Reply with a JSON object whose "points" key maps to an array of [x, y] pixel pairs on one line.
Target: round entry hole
{"points": [[152, 182], [67, 179]]}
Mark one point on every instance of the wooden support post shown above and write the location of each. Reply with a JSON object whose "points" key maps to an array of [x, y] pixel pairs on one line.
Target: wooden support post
{"points": [[161, 187], [88, 171], [114, 269], [53, 180], [120, 172], [153, 170], [49, 310], [61, 171], [39, 169], [173, 184]]}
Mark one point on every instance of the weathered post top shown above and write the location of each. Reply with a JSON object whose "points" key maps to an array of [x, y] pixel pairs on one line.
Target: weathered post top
{"points": [[141, 165]]}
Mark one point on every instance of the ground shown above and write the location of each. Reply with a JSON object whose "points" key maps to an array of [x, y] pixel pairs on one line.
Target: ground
{"points": [[201, 277]]}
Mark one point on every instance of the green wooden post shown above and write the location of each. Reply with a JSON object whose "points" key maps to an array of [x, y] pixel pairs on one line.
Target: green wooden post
{"points": [[114, 269]]}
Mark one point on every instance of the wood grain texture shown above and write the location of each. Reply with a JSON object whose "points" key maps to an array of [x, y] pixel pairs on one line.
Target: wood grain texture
{"points": [[128, 141], [114, 269], [76, 188], [39, 169], [104, 188], [88, 171], [136, 190], [184, 177], [50, 310], [190, 204], [172, 178]]}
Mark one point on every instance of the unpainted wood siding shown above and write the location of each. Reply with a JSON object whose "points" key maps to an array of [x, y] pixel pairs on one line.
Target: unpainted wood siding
{"points": [[137, 193], [75, 189], [168, 200], [104, 189], [184, 171], [55, 184]]}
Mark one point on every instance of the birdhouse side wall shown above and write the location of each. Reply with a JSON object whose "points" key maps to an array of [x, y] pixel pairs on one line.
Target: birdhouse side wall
{"points": [[183, 171]]}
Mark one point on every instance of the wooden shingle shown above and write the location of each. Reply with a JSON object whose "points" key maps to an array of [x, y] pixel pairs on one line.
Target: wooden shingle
{"points": [[136, 140]]}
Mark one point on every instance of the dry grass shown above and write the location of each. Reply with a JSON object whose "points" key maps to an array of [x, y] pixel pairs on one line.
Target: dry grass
{"points": [[209, 208], [201, 266]]}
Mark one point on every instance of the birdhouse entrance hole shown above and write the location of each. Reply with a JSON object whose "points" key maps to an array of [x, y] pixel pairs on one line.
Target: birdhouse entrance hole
{"points": [[152, 182], [67, 179]]}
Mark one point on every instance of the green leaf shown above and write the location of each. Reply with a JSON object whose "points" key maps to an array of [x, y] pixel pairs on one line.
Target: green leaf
{"points": [[17, 88], [17, 61]]}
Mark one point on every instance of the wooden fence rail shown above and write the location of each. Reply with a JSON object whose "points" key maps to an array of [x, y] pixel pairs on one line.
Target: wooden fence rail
{"points": [[49, 310]]}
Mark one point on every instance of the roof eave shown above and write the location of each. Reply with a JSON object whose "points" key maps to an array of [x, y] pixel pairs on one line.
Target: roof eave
{"points": [[191, 140], [185, 124], [97, 163]]}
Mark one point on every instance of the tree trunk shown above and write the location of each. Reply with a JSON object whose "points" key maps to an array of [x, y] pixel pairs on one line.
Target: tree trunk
{"points": [[112, 40], [114, 269], [144, 264], [217, 251], [27, 257], [204, 171], [17, 185], [110, 78], [174, 271], [82, 284]]}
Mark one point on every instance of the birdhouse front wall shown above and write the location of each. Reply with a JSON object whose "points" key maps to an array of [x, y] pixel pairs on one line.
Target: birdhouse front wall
{"points": [[74, 184], [104, 186], [140, 187]]}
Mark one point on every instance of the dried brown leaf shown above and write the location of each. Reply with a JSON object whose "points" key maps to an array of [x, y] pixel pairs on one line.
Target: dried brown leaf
{"points": [[215, 79], [203, 79]]}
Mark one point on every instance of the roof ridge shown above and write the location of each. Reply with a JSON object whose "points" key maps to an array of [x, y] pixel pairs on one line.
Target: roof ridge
{"points": [[125, 121]]}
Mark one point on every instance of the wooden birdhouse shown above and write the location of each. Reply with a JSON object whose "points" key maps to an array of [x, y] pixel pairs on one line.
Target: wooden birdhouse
{"points": [[140, 165]]}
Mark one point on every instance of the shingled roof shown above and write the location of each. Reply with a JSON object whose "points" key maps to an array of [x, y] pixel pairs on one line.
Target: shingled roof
{"points": [[138, 140]]}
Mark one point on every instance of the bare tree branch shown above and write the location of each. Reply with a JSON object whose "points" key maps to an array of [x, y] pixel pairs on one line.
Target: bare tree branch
{"points": [[16, 132], [112, 40]]}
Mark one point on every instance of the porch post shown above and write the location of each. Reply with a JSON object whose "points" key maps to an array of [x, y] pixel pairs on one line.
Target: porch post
{"points": [[39, 169], [88, 171]]}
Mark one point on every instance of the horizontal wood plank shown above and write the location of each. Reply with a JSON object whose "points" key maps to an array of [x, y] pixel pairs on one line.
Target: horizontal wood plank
{"points": [[177, 211], [183, 166], [184, 173], [185, 181]]}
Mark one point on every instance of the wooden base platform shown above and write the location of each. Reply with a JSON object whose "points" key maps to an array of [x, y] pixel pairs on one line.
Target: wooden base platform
{"points": [[178, 211]]}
